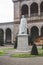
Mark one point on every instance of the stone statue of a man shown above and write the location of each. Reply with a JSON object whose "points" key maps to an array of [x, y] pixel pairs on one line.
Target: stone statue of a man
{"points": [[23, 26]]}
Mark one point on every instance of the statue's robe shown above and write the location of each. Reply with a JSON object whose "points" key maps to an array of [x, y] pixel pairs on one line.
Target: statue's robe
{"points": [[23, 26]]}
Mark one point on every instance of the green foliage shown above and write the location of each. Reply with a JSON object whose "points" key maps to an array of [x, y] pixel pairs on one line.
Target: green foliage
{"points": [[2, 52], [28, 55], [22, 55], [40, 51], [8, 49]]}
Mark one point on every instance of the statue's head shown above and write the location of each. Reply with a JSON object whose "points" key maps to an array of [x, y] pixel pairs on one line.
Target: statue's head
{"points": [[23, 16], [23, 26]]}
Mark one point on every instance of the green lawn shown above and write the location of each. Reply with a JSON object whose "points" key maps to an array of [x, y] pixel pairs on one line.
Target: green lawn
{"points": [[21, 55], [8, 49], [27, 55], [2, 52], [40, 51]]}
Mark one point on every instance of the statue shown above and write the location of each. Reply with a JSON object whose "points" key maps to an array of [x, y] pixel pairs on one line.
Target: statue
{"points": [[22, 41], [23, 26]]}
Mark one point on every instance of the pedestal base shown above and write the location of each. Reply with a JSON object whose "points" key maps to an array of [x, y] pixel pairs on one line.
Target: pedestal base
{"points": [[22, 44]]}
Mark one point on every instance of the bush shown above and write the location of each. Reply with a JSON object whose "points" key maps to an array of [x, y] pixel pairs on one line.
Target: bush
{"points": [[34, 50]]}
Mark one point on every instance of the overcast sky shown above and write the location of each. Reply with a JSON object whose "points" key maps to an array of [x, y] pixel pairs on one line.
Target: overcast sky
{"points": [[6, 11]]}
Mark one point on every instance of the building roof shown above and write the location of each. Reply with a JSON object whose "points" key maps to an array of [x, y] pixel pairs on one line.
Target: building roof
{"points": [[6, 23], [14, 0], [19, 0]]}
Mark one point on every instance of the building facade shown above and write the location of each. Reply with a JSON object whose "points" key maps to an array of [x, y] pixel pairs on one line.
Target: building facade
{"points": [[6, 31], [33, 11]]}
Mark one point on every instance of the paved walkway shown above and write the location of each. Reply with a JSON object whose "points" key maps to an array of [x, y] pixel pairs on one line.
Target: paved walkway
{"points": [[7, 60]]}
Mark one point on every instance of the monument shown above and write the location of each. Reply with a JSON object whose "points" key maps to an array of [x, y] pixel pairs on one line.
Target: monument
{"points": [[22, 44], [23, 26]]}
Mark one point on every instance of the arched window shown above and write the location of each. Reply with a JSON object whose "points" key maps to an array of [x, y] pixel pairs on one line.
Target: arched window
{"points": [[34, 33], [41, 8], [24, 10], [34, 9], [1, 35], [8, 35]]}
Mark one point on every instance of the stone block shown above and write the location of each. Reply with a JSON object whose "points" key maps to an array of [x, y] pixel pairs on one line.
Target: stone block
{"points": [[22, 44]]}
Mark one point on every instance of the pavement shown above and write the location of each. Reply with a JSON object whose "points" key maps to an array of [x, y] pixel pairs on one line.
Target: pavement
{"points": [[7, 60]]}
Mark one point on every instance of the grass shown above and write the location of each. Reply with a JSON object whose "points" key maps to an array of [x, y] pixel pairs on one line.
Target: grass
{"points": [[21, 55], [2, 53], [8, 49], [27, 55], [40, 51]]}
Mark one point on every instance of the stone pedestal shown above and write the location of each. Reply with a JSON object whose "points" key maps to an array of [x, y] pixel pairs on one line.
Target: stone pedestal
{"points": [[22, 44]]}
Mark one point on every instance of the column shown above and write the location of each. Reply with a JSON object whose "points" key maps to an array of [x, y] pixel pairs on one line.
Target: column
{"points": [[39, 9], [39, 31], [4, 37], [12, 37], [29, 32], [29, 11], [19, 9]]}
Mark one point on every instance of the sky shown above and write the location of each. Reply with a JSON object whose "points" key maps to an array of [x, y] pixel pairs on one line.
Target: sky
{"points": [[6, 11]]}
